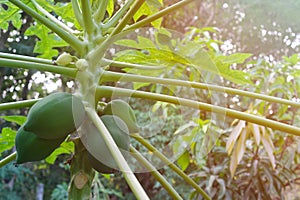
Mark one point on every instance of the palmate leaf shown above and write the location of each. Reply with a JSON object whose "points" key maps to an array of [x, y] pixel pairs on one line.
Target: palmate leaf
{"points": [[110, 7], [141, 43], [190, 54], [15, 119], [7, 139], [65, 148], [184, 160], [236, 58], [12, 13], [47, 41], [148, 8], [61, 9], [235, 76], [292, 60]]}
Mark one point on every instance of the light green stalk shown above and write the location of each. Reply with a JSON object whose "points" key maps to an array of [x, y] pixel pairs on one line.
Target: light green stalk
{"points": [[77, 12], [18, 104], [69, 72], [8, 159], [118, 15], [100, 13], [25, 58], [127, 17], [155, 173], [171, 165], [88, 23], [107, 91], [109, 76]]}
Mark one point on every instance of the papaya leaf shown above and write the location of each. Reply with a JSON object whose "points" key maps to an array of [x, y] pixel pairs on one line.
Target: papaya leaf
{"points": [[15, 119], [236, 58], [235, 76], [201, 60], [145, 43], [128, 43], [142, 43], [62, 9], [110, 7], [12, 13], [293, 60], [65, 148], [7, 139], [148, 8], [47, 41], [137, 86], [184, 160]]}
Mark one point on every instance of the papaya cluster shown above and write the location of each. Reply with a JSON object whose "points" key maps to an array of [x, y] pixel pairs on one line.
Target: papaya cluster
{"points": [[119, 119], [48, 123], [53, 118]]}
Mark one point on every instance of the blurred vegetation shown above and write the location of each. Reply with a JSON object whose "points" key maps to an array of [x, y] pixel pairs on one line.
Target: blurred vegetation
{"points": [[266, 168]]}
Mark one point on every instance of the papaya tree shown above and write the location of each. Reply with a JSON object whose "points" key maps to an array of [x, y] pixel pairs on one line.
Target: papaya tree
{"points": [[107, 48]]}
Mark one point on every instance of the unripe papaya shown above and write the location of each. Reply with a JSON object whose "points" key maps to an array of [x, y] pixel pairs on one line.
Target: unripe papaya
{"points": [[99, 166], [99, 155], [123, 110], [32, 148], [55, 116]]}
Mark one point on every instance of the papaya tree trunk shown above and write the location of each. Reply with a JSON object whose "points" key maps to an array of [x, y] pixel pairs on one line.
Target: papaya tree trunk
{"points": [[82, 174]]}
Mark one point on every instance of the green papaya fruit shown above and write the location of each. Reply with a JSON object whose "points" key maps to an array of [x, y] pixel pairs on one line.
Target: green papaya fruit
{"points": [[98, 153], [55, 116], [99, 166], [123, 110], [30, 147]]}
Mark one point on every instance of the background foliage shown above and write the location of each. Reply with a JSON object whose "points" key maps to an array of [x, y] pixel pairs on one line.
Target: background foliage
{"points": [[269, 163]]}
